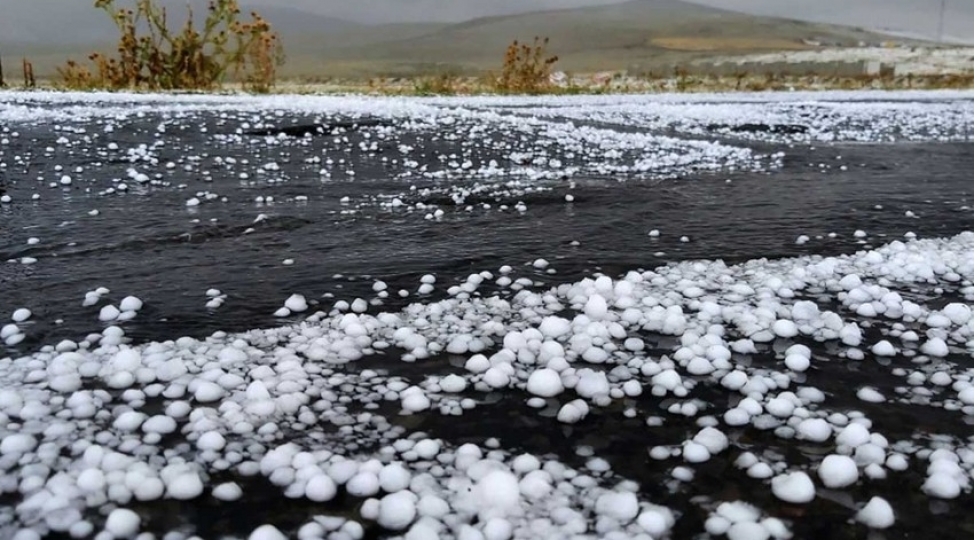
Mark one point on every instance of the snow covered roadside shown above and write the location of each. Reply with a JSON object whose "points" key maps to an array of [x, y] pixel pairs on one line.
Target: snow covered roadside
{"points": [[298, 404]]}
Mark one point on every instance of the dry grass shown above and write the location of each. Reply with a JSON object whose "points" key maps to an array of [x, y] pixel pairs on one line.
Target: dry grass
{"points": [[620, 84], [150, 56], [526, 69]]}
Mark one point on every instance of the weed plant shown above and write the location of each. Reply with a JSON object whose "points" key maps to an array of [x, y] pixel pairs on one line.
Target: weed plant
{"points": [[151, 56], [526, 70]]}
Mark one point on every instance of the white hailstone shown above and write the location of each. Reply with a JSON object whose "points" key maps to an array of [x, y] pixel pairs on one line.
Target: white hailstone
{"points": [[853, 435], [498, 529], [17, 444], [967, 394], [699, 366], [695, 453], [122, 523], [554, 327], [525, 463], [941, 485], [540, 264], [713, 439], [545, 383], [656, 520], [9, 330], [394, 477], [777, 528], [108, 313], [228, 491], [958, 313], [760, 470], [877, 514], [453, 384], [498, 491], [738, 512], [897, 462], [130, 303], [883, 348], [936, 347], [736, 416], [667, 379], [267, 532], [870, 395], [363, 484], [159, 423], [814, 429], [208, 392], [573, 411], [747, 530], [414, 401], [91, 480], [596, 308], [797, 362], [432, 506], [427, 448], [397, 510], [21, 315], [838, 471], [296, 303], [633, 344], [320, 488], [211, 440], [477, 364], [794, 487], [734, 380], [716, 525], [621, 506], [184, 486], [149, 489], [784, 328], [282, 312], [780, 407], [343, 470], [496, 378]]}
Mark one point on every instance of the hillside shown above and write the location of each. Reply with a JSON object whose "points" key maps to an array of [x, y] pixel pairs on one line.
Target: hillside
{"points": [[635, 34], [639, 34], [919, 18]]}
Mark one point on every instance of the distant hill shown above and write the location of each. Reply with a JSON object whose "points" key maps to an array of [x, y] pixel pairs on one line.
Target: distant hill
{"points": [[616, 36], [917, 18], [638, 34], [426, 11]]}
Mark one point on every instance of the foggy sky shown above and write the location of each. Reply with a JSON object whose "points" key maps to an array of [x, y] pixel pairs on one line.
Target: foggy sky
{"points": [[69, 21]]}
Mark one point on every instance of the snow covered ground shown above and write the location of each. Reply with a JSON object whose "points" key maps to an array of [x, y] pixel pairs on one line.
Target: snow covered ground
{"points": [[102, 437]]}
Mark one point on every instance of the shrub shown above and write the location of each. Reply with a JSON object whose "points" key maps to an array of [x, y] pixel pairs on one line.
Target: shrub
{"points": [[441, 84], [151, 56], [526, 68]]}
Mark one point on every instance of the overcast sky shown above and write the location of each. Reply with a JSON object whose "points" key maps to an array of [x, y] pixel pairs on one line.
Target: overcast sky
{"points": [[40, 21]]}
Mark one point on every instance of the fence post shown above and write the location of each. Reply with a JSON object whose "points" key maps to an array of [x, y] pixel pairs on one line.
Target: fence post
{"points": [[29, 81]]}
